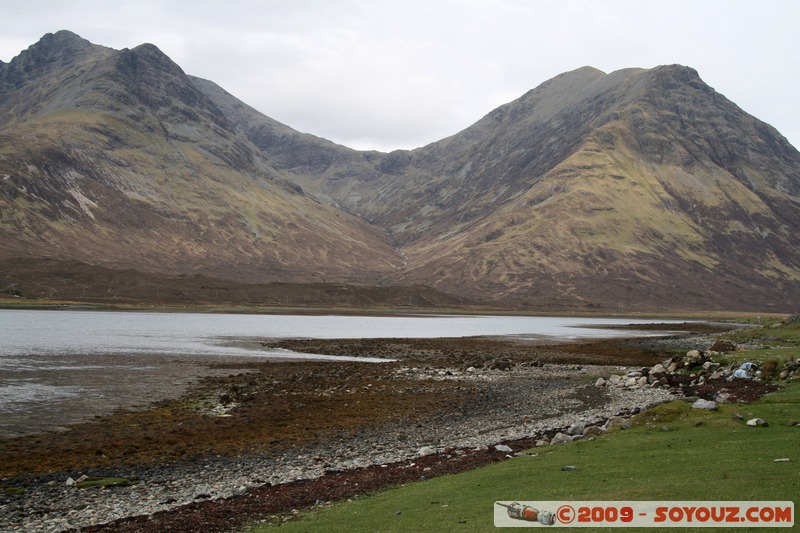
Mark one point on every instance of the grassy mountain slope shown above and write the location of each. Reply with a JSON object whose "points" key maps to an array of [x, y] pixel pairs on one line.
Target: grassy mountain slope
{"points": [[640, 189], [115, 158], [671, 196]]}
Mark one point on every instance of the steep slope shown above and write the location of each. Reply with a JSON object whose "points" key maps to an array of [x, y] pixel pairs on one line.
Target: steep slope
{"points": [[621, 190], [663, 191], [115, 158]]}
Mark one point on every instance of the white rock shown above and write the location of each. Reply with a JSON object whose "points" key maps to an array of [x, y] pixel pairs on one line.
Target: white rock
{"points": [[704, 404], [426, 450], [658, 369], [560, 438], [753, 422], [600, 382], [70, 482], [503, 448], [576, 429]]}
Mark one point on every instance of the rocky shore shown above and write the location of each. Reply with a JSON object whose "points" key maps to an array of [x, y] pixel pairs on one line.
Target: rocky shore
{"points": [[205, 461]]}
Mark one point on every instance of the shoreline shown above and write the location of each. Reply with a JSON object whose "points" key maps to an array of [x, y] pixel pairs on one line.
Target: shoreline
{"points": [[277, 423]]}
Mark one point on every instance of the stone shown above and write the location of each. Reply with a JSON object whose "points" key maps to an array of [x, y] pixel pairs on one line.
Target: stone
{"points": [[503, 448], [70, 482], [631, 382], [642, 381], [560, 438], [782, 460], [658, 369], [753, 422], [569, 468], [576, 429], [704, 404], [592, 430], [614, 421], [614, 379], [710, 366], [426, 450], [600, 382]]}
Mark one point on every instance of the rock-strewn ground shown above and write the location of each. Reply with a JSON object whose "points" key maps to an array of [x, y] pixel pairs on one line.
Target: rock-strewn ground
{"points": [[234, 447]]}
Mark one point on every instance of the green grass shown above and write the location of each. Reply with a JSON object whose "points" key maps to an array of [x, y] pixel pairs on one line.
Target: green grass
{"points": [[672, 452]]}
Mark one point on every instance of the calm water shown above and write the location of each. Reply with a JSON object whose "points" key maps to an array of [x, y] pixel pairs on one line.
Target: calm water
{"points": [[58, 365], [53, 333]]}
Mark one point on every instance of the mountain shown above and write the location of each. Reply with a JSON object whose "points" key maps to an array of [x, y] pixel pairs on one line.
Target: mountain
{"points": [[641, 189], [115, 158]]}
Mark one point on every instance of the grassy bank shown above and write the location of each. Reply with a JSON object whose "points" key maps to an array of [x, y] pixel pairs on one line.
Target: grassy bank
{"points": [[671, 452]]}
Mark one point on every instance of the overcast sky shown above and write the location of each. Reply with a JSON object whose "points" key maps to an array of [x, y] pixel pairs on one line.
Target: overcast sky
{"points": [[389, 74]]}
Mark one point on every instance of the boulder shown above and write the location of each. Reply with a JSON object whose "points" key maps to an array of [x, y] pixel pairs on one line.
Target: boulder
{"points": [[614, 379], [704, 404], [600, 382], [560, 438], [426, 450], [658, 369], [613, 422], [592, 430], [503, 448], [753, 422], [576, 429]]}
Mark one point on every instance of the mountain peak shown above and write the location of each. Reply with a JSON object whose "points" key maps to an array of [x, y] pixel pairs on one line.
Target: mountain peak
{"points": [[58, 45]]}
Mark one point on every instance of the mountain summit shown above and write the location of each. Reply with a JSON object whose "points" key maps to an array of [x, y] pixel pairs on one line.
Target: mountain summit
{"points": [[638, 189]]}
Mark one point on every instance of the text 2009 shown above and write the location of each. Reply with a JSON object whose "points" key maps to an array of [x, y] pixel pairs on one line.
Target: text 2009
{"points": [[605, 514]]}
